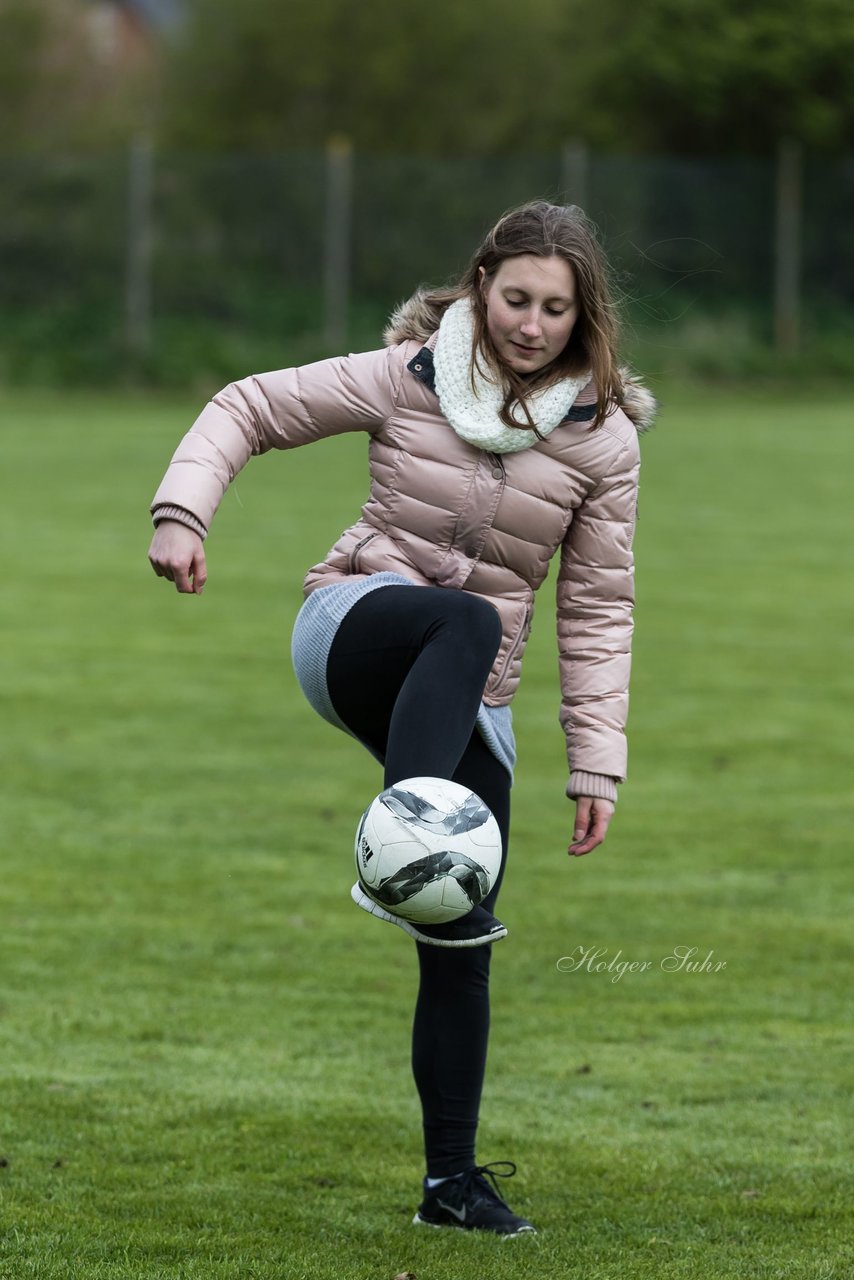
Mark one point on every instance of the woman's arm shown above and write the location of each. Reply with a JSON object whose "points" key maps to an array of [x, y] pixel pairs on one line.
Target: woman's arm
{"points": [[279, 410], [595, 600]]}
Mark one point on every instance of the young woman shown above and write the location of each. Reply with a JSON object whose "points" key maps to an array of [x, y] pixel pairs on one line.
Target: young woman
{"points": [[501, 431]]}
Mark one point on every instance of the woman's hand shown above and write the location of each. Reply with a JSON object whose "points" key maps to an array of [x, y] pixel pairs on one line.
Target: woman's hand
{"points": [[178, 553], [591, 824]]}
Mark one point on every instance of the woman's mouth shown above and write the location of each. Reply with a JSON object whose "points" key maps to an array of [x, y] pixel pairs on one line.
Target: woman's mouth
{"points": [[528, 351]]}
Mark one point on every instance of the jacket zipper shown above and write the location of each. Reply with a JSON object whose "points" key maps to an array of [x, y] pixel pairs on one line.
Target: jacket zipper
{"points": [[518, 643], [359, 548]]}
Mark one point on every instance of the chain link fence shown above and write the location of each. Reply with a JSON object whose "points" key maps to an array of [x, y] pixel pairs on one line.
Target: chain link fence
{"points": [[177, 266]]}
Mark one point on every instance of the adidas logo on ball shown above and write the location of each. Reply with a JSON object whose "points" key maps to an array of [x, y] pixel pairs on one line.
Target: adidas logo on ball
{"points": [[365, 851]]}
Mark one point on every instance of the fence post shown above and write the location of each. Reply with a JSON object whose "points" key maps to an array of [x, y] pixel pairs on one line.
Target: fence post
{"points": [[338, 231], [139, 245], [787, 257], [575, 173]]}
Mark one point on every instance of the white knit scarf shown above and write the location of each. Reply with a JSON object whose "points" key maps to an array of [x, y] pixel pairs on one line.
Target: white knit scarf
{"points": [[474, 414]]}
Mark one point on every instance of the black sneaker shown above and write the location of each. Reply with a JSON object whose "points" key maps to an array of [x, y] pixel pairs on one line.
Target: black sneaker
{"points": [[470, 1203], [473, 930]]}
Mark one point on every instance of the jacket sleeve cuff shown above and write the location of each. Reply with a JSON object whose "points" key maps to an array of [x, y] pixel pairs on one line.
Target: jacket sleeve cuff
{"points": [[183, 517], [598, 785]]}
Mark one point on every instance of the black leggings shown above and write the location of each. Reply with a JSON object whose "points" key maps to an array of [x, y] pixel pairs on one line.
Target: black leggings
{"points": [[406, 674]]}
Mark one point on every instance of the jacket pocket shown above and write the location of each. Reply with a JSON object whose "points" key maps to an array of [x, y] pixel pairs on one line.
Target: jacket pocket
{"points": [[356, 553]]}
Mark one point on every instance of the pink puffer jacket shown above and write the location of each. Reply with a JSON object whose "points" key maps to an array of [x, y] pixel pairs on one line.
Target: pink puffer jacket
{"points": [[442, 512]]}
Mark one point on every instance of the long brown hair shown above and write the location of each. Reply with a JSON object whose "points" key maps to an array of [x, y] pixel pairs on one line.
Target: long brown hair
{"points": [[544, 231]]}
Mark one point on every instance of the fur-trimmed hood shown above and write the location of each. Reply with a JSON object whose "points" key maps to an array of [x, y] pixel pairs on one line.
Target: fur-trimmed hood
{"points": [[638, 403], [417, 319], [414, 320]]}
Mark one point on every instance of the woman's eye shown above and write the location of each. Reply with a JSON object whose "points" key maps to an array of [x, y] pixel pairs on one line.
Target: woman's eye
{"points": [[516, 303]]}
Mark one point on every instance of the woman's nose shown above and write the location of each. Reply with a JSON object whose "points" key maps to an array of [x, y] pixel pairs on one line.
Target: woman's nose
{"points": [[531, 327]]}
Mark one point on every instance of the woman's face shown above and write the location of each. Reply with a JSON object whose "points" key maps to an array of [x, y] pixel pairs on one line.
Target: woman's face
{"points": [[531, 308]]}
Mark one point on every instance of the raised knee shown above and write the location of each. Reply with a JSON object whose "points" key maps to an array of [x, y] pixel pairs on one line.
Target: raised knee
{"points": [[481, 621]]}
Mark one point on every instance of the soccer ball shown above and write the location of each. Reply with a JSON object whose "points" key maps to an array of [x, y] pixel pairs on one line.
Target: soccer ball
{"points": [[428, 850]]}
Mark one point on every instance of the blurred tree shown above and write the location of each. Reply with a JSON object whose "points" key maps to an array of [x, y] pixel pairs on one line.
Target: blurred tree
{"points": [[26, 31], [439, 77], [685, 75], [73, 74], [719, 75], [485, 75]]}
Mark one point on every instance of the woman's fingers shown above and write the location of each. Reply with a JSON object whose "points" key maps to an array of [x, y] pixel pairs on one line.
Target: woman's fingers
{"points": [[181, 578], [177, 553], [592, 817], [199, 572]]}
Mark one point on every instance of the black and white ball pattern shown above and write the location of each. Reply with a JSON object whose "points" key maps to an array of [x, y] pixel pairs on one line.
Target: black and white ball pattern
{"points": [[428, 849]]}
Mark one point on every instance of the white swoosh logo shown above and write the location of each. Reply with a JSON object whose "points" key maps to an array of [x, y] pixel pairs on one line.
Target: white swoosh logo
{"points": [[458, 1213]]}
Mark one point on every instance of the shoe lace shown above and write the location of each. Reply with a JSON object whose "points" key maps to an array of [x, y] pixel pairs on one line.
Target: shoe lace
{"points": [[481, 1172]]}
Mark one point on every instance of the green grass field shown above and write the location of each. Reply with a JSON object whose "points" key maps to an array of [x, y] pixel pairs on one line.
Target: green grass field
{"points": [[204, 1045]]}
